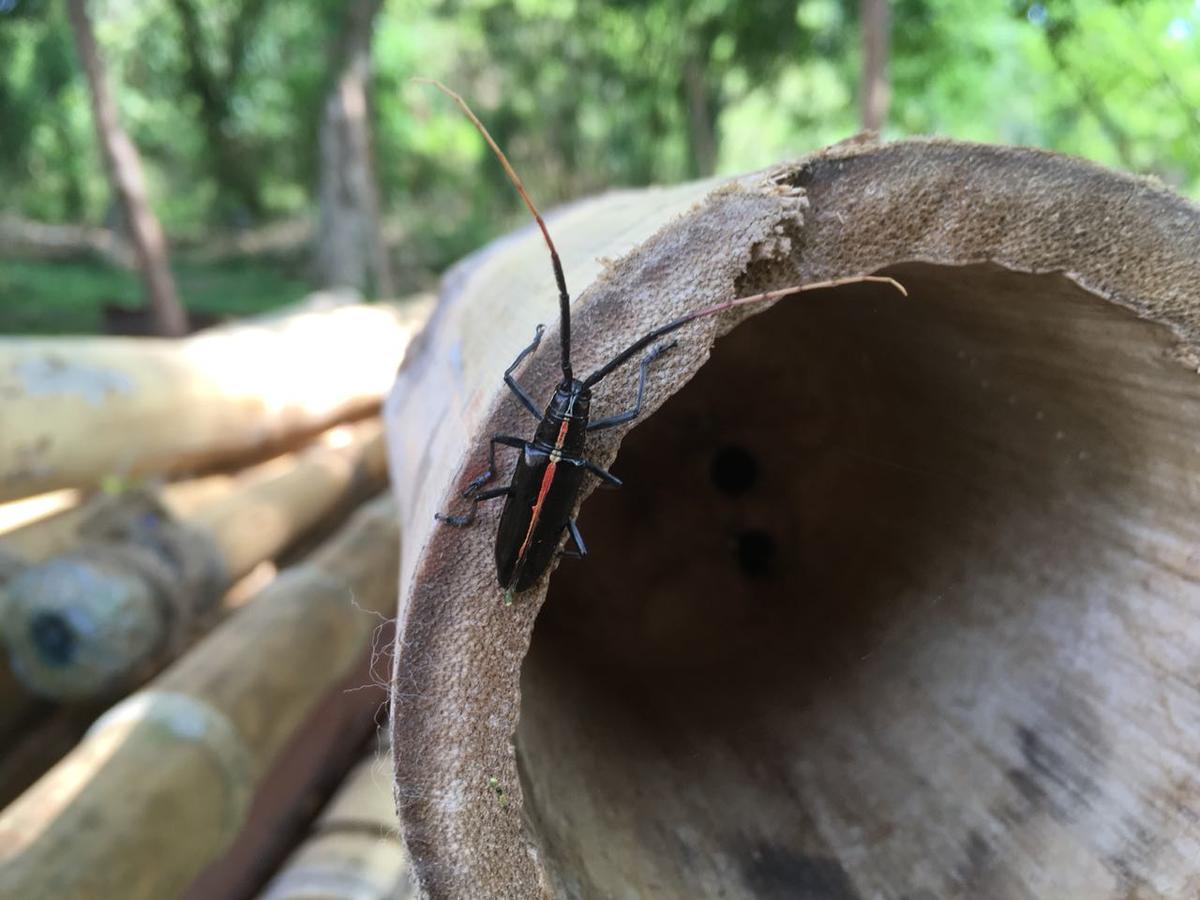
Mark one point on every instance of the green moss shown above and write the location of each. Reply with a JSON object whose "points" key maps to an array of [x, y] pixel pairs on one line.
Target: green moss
{"points": [[501, 794]]}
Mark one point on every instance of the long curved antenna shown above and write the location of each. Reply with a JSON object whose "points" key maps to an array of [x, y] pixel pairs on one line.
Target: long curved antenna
{"points": [[629, 352], [564, 299]]}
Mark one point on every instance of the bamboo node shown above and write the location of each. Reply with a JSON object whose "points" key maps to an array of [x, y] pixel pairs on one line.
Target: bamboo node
{"points": [[189, 719]]}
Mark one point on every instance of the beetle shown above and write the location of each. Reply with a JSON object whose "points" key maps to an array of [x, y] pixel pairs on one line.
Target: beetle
{"points": [[551, 467]]}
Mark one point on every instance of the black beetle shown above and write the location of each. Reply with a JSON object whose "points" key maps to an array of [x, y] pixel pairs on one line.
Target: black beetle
{"points": [[551, 467]]}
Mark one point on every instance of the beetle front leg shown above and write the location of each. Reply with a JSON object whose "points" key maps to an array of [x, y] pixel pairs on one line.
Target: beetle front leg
{"points": [[521, 393], [469, 517], [632, 413], [480, 480]]}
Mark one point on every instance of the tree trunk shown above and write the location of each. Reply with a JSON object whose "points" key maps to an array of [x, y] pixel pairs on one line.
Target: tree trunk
{"points": [[125, 169], [701, 110], [226, 159], [350, 243], [875, 89]]}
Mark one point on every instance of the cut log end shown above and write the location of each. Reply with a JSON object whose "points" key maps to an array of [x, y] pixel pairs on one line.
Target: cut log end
{"points": [[898, 594], [73, 624]]}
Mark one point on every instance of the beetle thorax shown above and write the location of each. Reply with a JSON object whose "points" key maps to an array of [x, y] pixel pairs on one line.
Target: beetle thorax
{"points": [[571, 400], [566, 418]]}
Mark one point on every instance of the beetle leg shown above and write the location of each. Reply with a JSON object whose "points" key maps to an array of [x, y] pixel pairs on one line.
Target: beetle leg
{"points": [[602, 474], [580, 550], [632, 413], [521, 393], [480, 480], [467, 518]]}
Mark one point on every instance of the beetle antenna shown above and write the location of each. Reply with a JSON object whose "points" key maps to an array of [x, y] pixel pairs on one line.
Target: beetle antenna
{"points": [[564, 298], [645, 340]]}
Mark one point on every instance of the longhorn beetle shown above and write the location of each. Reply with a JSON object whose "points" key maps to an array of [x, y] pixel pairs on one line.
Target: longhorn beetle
{"points": [[550, 468]]}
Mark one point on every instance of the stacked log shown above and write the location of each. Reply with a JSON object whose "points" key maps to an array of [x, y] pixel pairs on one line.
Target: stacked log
{"points": [[72, 406], [354, 848], [162, 784], [16, 514], [140, 567], [92, 620]]}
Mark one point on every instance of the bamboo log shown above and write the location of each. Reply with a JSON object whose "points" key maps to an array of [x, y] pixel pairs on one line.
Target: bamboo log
{"points": [[39, 737], [32, 735], [162, 783], [108, 612], [899, 597], [72, 404], [34, 538], [18, 514], [317, 757], [20, 709], [354, 850], [57, 533], [22, 238]]}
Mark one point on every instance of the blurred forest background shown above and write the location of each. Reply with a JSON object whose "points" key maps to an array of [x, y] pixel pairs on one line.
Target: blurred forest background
{"points": [[252, 148]]}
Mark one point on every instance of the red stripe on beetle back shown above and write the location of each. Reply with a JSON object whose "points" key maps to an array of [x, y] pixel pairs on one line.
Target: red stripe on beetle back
{"points": [[543, 490]]}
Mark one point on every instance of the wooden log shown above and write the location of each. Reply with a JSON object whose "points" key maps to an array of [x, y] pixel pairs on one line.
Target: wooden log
{"points": [[39, 737], [55, 523], [56, 533], [28, 740], [106, 614], [34, 735], [264, 518], [307, 771], [58, 520], [17, 514], [72, 404], [162, 783], [900, 596], [354, 849], [23, 238]]}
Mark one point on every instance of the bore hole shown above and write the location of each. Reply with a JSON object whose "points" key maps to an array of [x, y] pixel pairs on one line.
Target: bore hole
{"points": [[755, 552], [734, 470], [53, 637]]}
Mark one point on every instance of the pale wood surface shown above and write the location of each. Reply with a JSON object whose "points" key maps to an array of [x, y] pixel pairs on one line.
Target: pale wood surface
{"points": [[261, 519]]}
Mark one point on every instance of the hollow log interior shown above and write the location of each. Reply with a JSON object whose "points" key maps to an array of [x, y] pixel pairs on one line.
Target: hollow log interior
{"points": [[899, 599]]}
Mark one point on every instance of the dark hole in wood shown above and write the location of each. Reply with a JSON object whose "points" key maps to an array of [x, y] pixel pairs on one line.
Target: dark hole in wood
{"points": [[755, 552], [734, 470], [687, 726], [53, 637]]}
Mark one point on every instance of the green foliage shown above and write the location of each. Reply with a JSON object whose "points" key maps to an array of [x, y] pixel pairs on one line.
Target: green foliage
{"points": [[54, 298], [584, 95]]}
